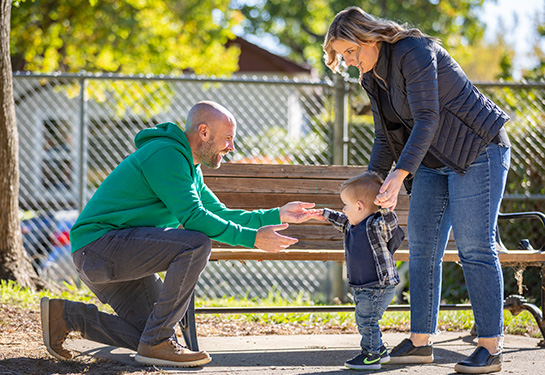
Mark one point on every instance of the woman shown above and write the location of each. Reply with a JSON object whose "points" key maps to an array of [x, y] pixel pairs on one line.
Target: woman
{"points": [[452, 153]]}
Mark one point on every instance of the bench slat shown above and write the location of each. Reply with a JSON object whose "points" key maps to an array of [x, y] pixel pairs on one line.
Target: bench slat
{"points": [[248, 201], [258, 185], [302, 244], [324, 172], [317, 244], [512, 257]]}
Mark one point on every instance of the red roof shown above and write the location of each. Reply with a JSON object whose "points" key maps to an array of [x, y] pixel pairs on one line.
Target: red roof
{"points": [[254, 59]]}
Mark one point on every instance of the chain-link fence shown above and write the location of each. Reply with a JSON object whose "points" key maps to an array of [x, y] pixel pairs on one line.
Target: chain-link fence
{"points": [[74, 129]]}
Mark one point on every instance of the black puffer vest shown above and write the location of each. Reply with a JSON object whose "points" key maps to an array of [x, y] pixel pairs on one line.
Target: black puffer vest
{"points": [[433, 98]]}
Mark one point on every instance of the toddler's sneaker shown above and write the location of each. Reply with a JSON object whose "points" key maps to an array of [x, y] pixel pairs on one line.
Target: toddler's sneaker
{"points": [[365, 361], [384, 356]]}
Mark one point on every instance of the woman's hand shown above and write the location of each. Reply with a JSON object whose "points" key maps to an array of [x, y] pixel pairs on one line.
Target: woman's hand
{"points": [[389, 190]]}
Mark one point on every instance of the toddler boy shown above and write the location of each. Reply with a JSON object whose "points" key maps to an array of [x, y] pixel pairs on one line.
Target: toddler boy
{"points": [[371, 235]]}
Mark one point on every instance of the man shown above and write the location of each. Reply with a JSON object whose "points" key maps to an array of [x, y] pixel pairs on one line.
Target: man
{"points": [[131, 229]]}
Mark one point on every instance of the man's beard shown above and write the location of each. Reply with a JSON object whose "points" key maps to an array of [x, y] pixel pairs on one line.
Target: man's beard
{"points": [[208, 156]]}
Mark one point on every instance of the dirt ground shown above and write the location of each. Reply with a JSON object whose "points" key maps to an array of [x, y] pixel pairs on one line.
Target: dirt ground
{"points": [[22, 350]]}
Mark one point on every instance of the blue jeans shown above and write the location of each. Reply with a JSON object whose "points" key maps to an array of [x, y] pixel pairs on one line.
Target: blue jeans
{"points": [[121, 268], [370, 305], [440, 200]]}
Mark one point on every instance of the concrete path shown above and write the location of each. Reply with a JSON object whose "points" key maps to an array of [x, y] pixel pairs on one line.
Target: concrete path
{"points": [[325, 354]]}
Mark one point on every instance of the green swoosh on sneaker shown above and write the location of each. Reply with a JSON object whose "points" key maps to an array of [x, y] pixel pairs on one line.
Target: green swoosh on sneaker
{"points": [[367, 362]]}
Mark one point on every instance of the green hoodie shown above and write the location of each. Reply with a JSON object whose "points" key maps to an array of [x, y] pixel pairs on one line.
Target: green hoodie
{"points": [[158, 185]]}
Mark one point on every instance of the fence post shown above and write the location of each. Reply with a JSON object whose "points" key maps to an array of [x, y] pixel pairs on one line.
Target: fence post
{"points": [[340, 125], [340, 157], [82, 170]]}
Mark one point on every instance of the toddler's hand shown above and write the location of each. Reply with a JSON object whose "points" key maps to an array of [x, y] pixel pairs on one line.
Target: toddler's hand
{"points": [[318, 214]]}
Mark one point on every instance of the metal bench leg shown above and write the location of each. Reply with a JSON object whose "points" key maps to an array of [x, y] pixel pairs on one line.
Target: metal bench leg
{"points": [[542, 322], [187, 325], [515, 304]]}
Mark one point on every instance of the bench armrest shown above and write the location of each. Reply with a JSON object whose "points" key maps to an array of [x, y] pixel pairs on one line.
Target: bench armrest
{"points": [[521, 215]]}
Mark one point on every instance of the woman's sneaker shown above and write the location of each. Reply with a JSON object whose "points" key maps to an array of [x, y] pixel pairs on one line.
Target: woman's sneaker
{"points": [[406, 353], [365, 361]]}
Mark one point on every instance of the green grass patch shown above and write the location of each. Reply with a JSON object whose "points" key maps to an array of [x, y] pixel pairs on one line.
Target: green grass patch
{"points": [[459, 320], [274, 298], [14, 294], [522, 324]]}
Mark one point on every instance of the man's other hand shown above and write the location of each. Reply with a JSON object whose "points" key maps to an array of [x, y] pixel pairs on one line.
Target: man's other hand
{"points": [[267, 239], [298, 212]]}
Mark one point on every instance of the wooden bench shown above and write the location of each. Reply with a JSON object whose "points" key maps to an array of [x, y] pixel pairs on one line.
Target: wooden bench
{"points": [[254, 186]]}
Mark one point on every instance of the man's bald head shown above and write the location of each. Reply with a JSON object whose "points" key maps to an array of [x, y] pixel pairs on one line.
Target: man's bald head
{"points": [[209, 113], [211, 131]]}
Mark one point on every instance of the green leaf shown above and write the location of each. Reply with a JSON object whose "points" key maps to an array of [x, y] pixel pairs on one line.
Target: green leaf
{"points": [[124, 36]]}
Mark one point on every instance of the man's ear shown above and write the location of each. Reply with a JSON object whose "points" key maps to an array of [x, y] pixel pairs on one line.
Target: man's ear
{"points": [[204, 132]]}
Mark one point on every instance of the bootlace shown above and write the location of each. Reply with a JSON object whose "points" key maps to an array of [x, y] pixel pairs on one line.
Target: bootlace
{"points": [[178, 349]]}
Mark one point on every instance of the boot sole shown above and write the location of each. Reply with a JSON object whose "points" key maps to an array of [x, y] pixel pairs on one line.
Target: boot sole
{"points": [[167, 363], [410, 360], [44, 314], [477, 369]]}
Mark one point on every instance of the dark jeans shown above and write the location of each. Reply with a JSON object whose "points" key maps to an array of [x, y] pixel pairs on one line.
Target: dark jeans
{"points": [[121, 268]]}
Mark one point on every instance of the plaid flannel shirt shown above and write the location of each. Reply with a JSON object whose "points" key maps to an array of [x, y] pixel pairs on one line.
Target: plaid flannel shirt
{"points": [[380, 229]]}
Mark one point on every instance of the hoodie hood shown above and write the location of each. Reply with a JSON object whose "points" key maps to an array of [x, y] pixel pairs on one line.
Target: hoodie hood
{"points": [[167, 131]]}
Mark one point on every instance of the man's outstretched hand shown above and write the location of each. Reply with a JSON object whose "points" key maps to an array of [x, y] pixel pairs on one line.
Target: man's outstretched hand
{"points": [[298, 212], [267, 239]]}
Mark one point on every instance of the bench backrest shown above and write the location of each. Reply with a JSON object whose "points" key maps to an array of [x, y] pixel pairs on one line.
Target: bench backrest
{"points": [[255, 186]]}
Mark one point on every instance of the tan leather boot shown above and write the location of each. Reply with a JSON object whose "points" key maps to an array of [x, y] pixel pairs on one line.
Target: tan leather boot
{"points": [[54, 327], [170, 353]]}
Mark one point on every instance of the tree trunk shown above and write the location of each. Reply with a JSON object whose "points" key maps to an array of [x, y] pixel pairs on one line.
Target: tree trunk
{"points": [[14, 262]]}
